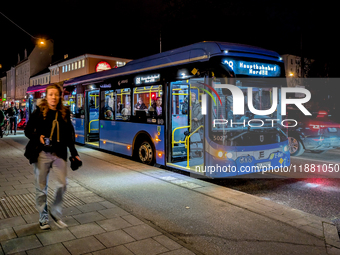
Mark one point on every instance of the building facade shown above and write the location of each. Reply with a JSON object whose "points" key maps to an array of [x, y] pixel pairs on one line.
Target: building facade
{"points": [[10, 90], [3, 91], [22, 78], [42, 78], [18, 77], [82, 65], [293, 69]]}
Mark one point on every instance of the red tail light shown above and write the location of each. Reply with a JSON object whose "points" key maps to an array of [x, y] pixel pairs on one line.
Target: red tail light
{"points": [[322, 113]]}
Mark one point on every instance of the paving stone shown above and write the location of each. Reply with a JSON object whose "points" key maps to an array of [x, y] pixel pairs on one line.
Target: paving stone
{"points": [[83, 245], [20, 244], [71, 211], [6, 188], [132, 220], [91, 207], [114, 238], [11, 222], [28, 229], [88, 217], [54, 249], [118, 250], [86, 230], [16, 192], [31, 218], [69, 220], [114, 224], [91, 199], [182, 251], [142, 231], [16, 178], [6, 234], [146, 247], [6, 184], [24, 186], [167, 242], [52, 237], [113, 212], [107, 204]]}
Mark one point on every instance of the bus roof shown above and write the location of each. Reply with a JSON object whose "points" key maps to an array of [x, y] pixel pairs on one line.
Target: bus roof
{"points": [[192, 53]]}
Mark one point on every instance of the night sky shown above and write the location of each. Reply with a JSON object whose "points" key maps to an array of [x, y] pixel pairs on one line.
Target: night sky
{"points": [[131, 28]]}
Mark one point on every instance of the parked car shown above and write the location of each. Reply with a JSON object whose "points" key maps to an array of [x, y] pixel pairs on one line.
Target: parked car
{"points": [[317, 133]]}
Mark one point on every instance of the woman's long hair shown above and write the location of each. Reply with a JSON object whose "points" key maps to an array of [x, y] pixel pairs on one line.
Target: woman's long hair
{"points": [[43, 105]]}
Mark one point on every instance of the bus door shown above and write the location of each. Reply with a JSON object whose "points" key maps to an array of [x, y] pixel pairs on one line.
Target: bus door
{"points": [[186, 121], [92, 117]]}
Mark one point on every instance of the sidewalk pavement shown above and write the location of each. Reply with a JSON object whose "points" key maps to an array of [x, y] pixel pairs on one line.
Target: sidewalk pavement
{"points": [[100, 223]]}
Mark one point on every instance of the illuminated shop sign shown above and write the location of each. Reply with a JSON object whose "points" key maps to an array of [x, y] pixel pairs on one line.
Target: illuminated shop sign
{"points": [[105, 86], [253, 68], [147, 79], [123, 82], [102, 66]]}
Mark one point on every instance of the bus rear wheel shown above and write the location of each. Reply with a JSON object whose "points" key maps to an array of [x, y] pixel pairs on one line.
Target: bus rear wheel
{"points": [[146, 153]]}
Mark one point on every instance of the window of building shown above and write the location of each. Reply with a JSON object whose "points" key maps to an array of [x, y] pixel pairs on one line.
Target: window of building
{"points": [[69, 67], [63, 69], [72, 66], [76, 65], [118, 63], [79, 64], [291, 61], [83, 63]]}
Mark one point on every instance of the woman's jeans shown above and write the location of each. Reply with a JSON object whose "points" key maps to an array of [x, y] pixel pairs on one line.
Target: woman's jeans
{"points": [[46, 161]]}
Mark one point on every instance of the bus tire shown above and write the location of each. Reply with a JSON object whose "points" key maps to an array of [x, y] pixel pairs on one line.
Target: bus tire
{"points": [[145, 152], [295, 146]]}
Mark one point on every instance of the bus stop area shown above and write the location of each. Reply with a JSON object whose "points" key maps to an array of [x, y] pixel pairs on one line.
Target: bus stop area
{"points": [[114, 205]]}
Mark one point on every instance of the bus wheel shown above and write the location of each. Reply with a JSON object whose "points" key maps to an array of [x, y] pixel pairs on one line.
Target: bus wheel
{"points": [[146, 153], [295, 146]]}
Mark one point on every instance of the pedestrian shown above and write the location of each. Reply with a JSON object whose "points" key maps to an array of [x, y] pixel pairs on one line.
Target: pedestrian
{"points": [[196, 115], [159, 106], [196, 123], [12, 113], [50, 132], [2, 121]]}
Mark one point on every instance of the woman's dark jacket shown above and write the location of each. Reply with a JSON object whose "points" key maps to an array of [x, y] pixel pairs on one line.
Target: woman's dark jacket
{"points": [[38, 126]]}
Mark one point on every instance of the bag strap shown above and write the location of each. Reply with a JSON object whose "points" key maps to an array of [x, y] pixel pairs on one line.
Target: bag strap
{"points": [[55, 122]]}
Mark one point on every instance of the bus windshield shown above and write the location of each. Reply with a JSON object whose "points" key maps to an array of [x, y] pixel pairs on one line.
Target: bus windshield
{"points": [[239, 130]]}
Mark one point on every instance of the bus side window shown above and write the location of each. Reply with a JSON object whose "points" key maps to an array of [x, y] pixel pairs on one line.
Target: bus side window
{"points": [[123, 109], [148, 101], [107, 105]]}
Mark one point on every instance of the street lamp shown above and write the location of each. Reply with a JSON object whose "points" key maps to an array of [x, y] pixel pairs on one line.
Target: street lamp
{"points": [[41, 42]]}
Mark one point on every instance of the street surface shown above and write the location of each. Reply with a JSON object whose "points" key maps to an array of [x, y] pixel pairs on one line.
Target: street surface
{"points": [[204, 218], [316, 192]]}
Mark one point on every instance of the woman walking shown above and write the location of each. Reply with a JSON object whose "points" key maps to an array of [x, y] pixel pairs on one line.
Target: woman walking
{"points": [[50, 132]]}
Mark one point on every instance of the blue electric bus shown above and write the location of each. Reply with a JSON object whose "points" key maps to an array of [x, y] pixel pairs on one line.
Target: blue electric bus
{"points": [[151, 109]]}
